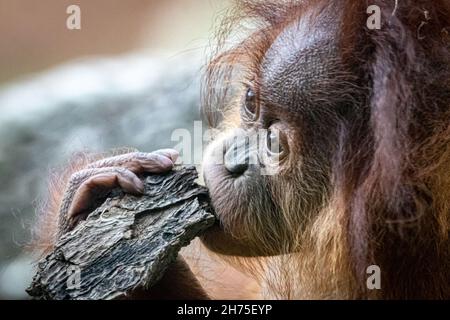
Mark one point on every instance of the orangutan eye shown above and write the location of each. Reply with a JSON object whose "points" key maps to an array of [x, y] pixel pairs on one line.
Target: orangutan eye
{"points": [[250, 103], [273, 142]]}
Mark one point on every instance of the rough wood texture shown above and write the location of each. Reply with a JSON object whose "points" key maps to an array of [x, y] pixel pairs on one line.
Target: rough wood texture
{"points": [[126, 243]]}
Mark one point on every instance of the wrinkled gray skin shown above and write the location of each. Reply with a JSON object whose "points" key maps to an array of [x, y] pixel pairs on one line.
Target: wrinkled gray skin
{"points": [[302, 58]]}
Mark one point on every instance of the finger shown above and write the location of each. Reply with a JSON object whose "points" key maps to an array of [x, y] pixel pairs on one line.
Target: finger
{"points": [[102, 182], [155, 162], [172, 154], [139, 162]]}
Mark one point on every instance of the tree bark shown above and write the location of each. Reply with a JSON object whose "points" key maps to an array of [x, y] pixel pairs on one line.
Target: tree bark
{"points": [[126, 243]]}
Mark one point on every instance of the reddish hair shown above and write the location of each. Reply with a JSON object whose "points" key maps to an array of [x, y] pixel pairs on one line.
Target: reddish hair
{"points": [[391, 170]]}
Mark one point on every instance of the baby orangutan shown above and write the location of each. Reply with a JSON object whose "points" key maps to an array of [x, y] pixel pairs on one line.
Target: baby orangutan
{"points": [[361, 119]]}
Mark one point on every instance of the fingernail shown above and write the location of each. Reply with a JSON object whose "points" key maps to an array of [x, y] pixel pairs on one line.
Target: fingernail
{"points": [[171, 154], [166, 162], [140, 186], [174, 155]]}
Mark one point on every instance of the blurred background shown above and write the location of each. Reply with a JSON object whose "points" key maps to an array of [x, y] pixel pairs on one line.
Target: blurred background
{"points": [[128, 77]]}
